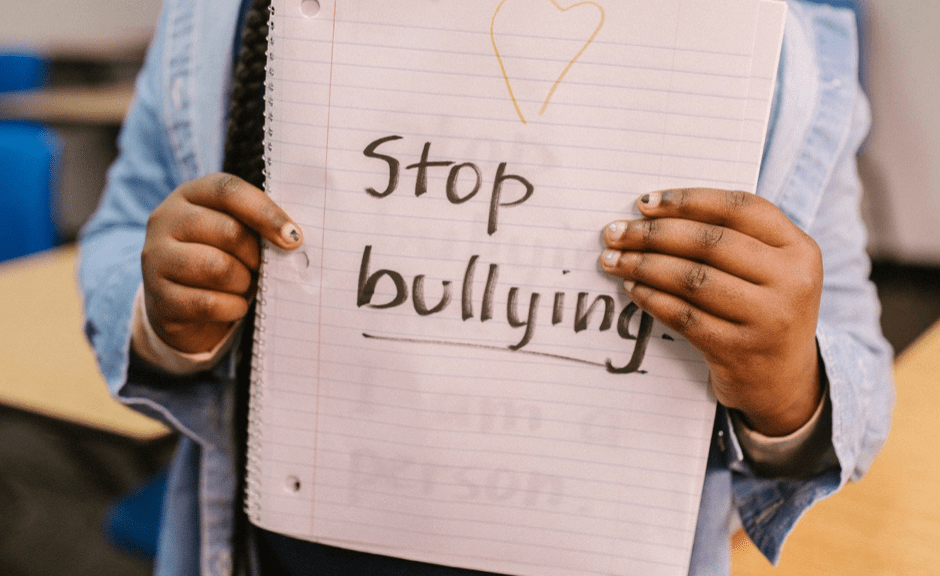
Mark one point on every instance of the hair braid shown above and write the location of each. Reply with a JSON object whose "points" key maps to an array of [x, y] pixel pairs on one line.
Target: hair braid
{"points": [[244, 142]]}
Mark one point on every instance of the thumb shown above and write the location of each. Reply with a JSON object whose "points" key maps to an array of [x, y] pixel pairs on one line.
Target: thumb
{"points": [[249, 205]]}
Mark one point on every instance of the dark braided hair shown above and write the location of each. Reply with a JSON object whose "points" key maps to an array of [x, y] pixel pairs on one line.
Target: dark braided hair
{"points": [[244, 147], [244, 142]]}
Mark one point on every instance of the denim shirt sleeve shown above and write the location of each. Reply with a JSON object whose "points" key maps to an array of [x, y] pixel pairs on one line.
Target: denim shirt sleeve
{"points": [[825, 122], [109, 269], [162, 144], [173, 133]]}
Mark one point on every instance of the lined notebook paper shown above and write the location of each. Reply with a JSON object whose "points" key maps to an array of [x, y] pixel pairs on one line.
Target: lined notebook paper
{"points": [[442, 373]]}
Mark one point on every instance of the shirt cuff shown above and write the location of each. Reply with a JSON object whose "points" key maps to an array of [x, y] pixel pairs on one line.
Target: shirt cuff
{"points": [[805, 452], [149, 346]]}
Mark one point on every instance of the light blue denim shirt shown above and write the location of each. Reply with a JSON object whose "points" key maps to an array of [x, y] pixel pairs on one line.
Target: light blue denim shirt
{"points": [[174, 133]]}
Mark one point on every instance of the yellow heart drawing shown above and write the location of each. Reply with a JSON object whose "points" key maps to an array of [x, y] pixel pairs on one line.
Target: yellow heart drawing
{"points": [[564, 73]]}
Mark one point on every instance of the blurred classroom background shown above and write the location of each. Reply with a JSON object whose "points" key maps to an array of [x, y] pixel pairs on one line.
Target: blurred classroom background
{"points": [[71, 461]]}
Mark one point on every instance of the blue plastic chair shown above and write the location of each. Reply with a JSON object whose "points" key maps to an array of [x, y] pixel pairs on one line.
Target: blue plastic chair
{"points": [[132, 523], [29, 159], [29, 155], [22, 71]]}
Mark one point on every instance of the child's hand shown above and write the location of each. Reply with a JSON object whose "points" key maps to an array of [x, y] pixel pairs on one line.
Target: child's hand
{"points": [[733, 275], [200, 256]]}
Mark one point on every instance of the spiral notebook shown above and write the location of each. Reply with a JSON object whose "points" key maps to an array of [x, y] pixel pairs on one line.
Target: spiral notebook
{"points": [[441, 372]]}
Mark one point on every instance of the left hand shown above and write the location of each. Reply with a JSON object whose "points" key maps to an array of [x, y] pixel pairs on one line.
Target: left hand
{"points": [[742, 283]]}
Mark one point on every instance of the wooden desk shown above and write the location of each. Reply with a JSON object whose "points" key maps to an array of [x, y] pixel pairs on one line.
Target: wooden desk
{"points": [[889, 523], [46, 366]]}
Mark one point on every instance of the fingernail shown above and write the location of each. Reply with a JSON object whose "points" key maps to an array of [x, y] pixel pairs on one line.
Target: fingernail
{"points": [[651, 200], [610, 258], [628, 286], [290, 233], [616, 229]]}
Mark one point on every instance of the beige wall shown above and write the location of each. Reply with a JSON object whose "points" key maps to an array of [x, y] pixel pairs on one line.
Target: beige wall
{"points": [[901, 163], [42, 22]]}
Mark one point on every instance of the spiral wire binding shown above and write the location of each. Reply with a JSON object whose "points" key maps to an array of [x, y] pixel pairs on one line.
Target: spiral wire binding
{"points": [[252, 501]]}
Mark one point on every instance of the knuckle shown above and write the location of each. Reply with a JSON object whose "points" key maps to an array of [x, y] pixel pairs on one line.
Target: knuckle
{"points": [[225, 186], [160, 215], [684, 319], [639, 264], [679, 198], [153, 219], [806, 291], [736, 200], [713, 344], [147, 258], [271, 213], [809, 264], [779, 322], [741, 340], [219, 270], [693, 278], [149, 270], [185, 225], [640, 297], [815, 256], [710, 236], [202, 305], [734, 351], [174, 329], [232, 233], [155, 260], [649, 231], [164, 305]]}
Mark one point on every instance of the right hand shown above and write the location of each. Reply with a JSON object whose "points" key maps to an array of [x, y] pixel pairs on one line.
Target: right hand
{"points": [[201, 256]]}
